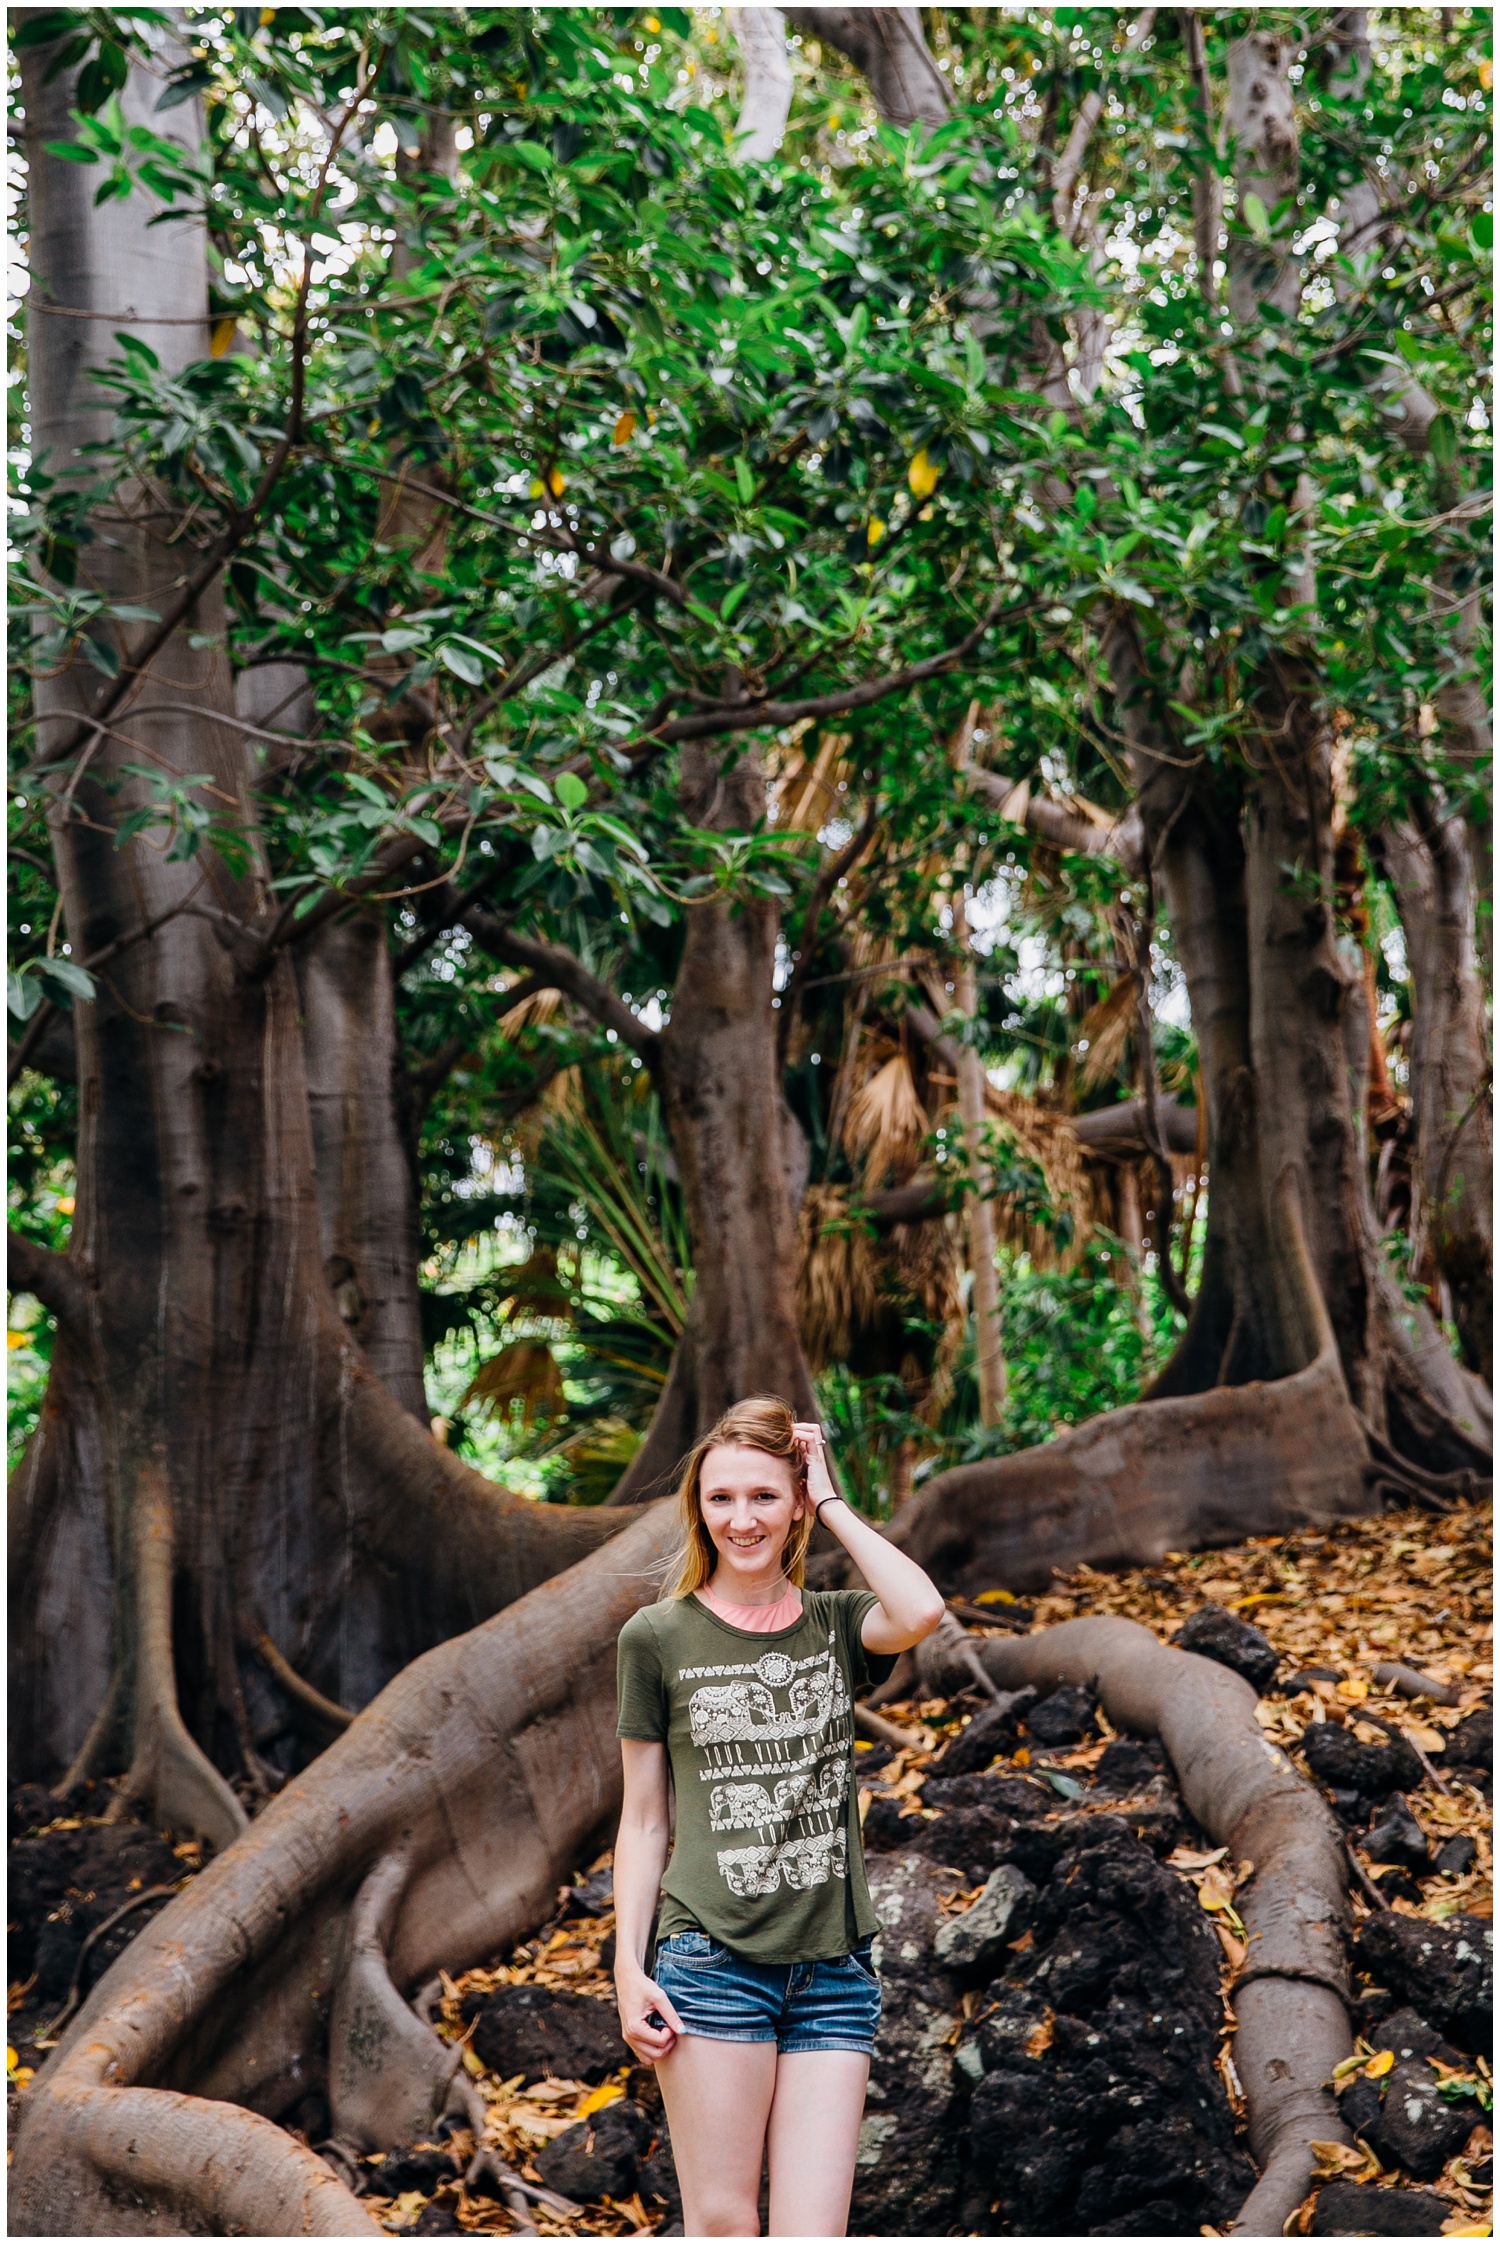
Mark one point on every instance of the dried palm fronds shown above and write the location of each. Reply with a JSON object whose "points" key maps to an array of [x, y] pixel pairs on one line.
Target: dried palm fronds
{"points": [[527, 1373], [886, 1125], [1105, 1032], [807, 796], [540, 1006], [838, 1276]]}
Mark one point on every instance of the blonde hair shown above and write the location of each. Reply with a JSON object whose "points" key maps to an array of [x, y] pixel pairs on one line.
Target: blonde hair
{"points": [[761, 1422]]}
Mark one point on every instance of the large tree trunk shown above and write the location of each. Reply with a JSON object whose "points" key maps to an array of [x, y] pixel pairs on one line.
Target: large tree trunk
{"points": [[739, 1153], [1428, 861], [215, 1462]]}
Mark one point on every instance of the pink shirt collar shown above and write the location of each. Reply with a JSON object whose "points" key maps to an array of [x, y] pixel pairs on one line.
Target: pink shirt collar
{"points": [[757, 1620]]}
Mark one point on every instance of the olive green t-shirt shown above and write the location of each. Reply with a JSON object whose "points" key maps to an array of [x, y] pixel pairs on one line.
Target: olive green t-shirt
{"points": [[759, 1731]]}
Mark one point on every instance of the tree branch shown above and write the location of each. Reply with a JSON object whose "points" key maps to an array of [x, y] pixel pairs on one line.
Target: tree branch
{"points": [[552, 967], [52, 1278], [753, 716]]}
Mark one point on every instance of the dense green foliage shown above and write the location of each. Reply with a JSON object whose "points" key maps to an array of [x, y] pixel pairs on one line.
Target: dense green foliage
{"points": [[547, 446]]}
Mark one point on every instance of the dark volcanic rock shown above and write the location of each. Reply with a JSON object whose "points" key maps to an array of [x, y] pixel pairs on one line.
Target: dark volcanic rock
{"points": [[1008, 1795], [1398, 1885], [1359, 2105], [973, 1840], [1336, 1758], [1471, 1742], [1066, 1718], [1100, 2111], [424, 2167], [1216, 1635], [1396, 1836], [1456, 1857], [1418, 2128], [1444, 1971], [601, 2156], [1354, 2209], [907, 2172], [531, 2031], [1407, 2035], [992, 1731], [886, 1829], [1128, 1766]]}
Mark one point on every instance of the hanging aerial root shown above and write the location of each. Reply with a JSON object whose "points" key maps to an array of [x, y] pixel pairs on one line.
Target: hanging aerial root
{"points": [[433, 1832], [167, 1769], [1291, 1997]]}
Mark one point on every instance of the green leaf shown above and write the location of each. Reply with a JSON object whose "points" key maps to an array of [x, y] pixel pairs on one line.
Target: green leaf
{"points": [[1256, 217], [1483, 229], [570, 790], [22, 995], [744, 480], [68, 980], [463, 664], [70, 151], [1442, 440]]}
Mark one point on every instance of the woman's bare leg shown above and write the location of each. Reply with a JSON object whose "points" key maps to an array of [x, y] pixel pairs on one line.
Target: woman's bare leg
{"points": [[718, 2098], [812, 2138]]}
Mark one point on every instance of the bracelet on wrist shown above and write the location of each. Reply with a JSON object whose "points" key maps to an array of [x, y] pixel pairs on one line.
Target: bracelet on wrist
{"points": [[818, 1508]]}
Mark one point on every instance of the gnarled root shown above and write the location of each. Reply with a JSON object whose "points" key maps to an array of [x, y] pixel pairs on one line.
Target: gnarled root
{"points": [[1291, 1999], [1188, 1472], [390, 2078], [488, 1766], [146, 2162]]}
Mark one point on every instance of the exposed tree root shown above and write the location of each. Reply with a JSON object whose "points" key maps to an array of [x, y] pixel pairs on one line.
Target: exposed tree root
{"points": [[1179, 1474], [486, 1766], [390, 2078], [1291, 1997]]}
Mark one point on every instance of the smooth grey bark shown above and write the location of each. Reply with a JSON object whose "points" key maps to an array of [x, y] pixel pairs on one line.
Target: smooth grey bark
{"points": [[887, 47]]}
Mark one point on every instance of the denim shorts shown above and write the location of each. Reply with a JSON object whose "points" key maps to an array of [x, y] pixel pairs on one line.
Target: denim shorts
{"points": [[834, 2004]]}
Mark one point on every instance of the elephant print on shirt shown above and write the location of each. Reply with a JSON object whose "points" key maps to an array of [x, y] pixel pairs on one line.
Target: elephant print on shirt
{"points": [[778, 1736]]}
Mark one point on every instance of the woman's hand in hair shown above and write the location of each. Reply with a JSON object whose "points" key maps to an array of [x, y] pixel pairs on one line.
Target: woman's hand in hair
{"points": [[813, 1452]]}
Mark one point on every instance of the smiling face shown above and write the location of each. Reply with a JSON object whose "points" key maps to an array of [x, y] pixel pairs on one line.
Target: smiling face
{"points": [[749, 1503]]}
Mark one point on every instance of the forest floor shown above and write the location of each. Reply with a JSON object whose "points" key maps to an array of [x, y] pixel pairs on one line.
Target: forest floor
{"points": [[567, 2110]]}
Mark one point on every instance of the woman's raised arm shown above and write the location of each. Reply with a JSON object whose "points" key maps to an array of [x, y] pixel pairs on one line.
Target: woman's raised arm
{"points": [[910, 1606]]}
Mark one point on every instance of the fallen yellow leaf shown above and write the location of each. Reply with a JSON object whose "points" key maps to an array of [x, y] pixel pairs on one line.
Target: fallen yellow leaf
{"points": [[1380, 2064], [472, 2064], [11, 2059], [609, 2093], [1457, 2227], [408, 2204], [1022, 1758], [1421, 1734], [1354, 1688], [994, 1597], [923, 475]]}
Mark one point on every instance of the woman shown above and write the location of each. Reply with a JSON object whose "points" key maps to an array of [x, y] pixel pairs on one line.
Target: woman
{"points": [[761, 2005]]}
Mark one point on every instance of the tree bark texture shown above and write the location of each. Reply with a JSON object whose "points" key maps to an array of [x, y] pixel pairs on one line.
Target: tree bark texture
{"points": [[215, 1459], [1428, 862], [886, 45], [737, 1149]]}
